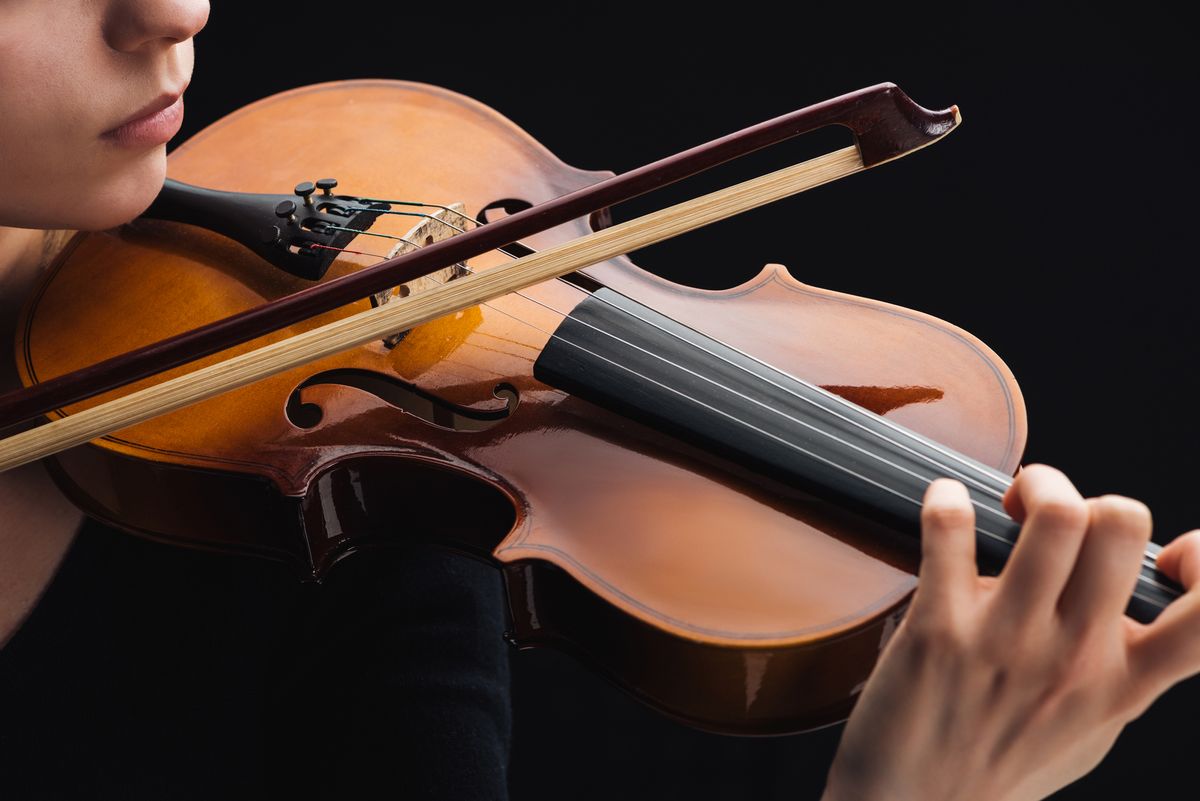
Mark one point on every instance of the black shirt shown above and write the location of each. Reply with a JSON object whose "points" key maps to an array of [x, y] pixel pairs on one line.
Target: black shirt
{"points": [[151, 671]]}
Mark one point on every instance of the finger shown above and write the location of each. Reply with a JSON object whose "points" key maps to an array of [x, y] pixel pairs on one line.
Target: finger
{"points": [[948, 570], [1056, 519], [1178, 559], [1011, 501], [1109, 562], [1168, 650]]}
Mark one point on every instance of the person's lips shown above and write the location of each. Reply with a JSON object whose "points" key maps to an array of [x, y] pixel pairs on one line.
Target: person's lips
{"points": [[154, 124]]}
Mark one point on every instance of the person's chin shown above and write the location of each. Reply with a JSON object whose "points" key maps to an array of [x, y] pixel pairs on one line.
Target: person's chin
{"points": [[126, 194]]}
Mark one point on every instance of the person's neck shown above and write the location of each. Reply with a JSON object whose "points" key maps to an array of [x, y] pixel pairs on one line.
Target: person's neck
{"points": [[20, 256], [19, 247], [23, 253]]}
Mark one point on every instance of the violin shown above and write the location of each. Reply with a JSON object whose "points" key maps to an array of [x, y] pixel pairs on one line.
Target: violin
{"points": [[708, 496]]}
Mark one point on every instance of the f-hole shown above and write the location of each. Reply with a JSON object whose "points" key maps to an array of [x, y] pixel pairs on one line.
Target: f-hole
{"points": [[597, 220], [404, 396], [509, 206]]}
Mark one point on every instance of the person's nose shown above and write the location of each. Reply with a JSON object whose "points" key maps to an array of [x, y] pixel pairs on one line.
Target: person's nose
{"points": [[130, 25]]}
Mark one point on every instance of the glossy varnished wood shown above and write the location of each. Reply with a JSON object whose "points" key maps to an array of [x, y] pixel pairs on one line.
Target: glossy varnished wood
{"points": [[719, 597]]}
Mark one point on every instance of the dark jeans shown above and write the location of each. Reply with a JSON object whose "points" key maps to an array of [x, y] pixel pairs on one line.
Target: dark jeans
{"points": [[149, 671]]}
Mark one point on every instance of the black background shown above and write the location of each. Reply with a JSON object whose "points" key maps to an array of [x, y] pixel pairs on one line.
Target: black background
{"points": [[1052, 225]]}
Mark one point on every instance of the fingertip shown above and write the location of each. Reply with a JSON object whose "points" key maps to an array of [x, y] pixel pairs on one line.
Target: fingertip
{"points": [[1180, 558], [946, 488], [1036, 484], [1121, 515], [947, 509], [1170, 552]]}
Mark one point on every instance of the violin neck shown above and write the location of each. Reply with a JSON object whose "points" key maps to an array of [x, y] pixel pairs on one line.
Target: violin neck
{"points": [[628, 358]]}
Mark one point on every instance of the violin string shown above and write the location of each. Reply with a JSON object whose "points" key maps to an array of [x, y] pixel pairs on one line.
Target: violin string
{"points": [[554, 335], [998, 537], [456, 228], [981, 487], [412, 203], [360, 232], [965, 476], [994, 492], [1148, 557], [402, 213], [346, 250], [832, 399], [448, 209]]}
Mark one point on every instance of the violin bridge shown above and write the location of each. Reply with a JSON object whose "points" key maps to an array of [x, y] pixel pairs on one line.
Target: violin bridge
{"points": [[441, 224]]}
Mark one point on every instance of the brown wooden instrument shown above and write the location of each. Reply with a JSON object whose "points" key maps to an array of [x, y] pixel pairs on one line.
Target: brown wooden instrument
{"points": [[712, 586]]}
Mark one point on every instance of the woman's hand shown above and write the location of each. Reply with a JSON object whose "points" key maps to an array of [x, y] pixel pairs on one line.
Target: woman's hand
{"points": [[1011, 687]]}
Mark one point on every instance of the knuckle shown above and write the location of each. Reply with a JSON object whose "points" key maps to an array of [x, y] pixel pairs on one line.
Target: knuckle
{"points": [[1123, 516], [936, 634], [1061, 514]]}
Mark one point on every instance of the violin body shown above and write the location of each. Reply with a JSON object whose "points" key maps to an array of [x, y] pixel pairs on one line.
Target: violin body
{"points": [[719, 597]]}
